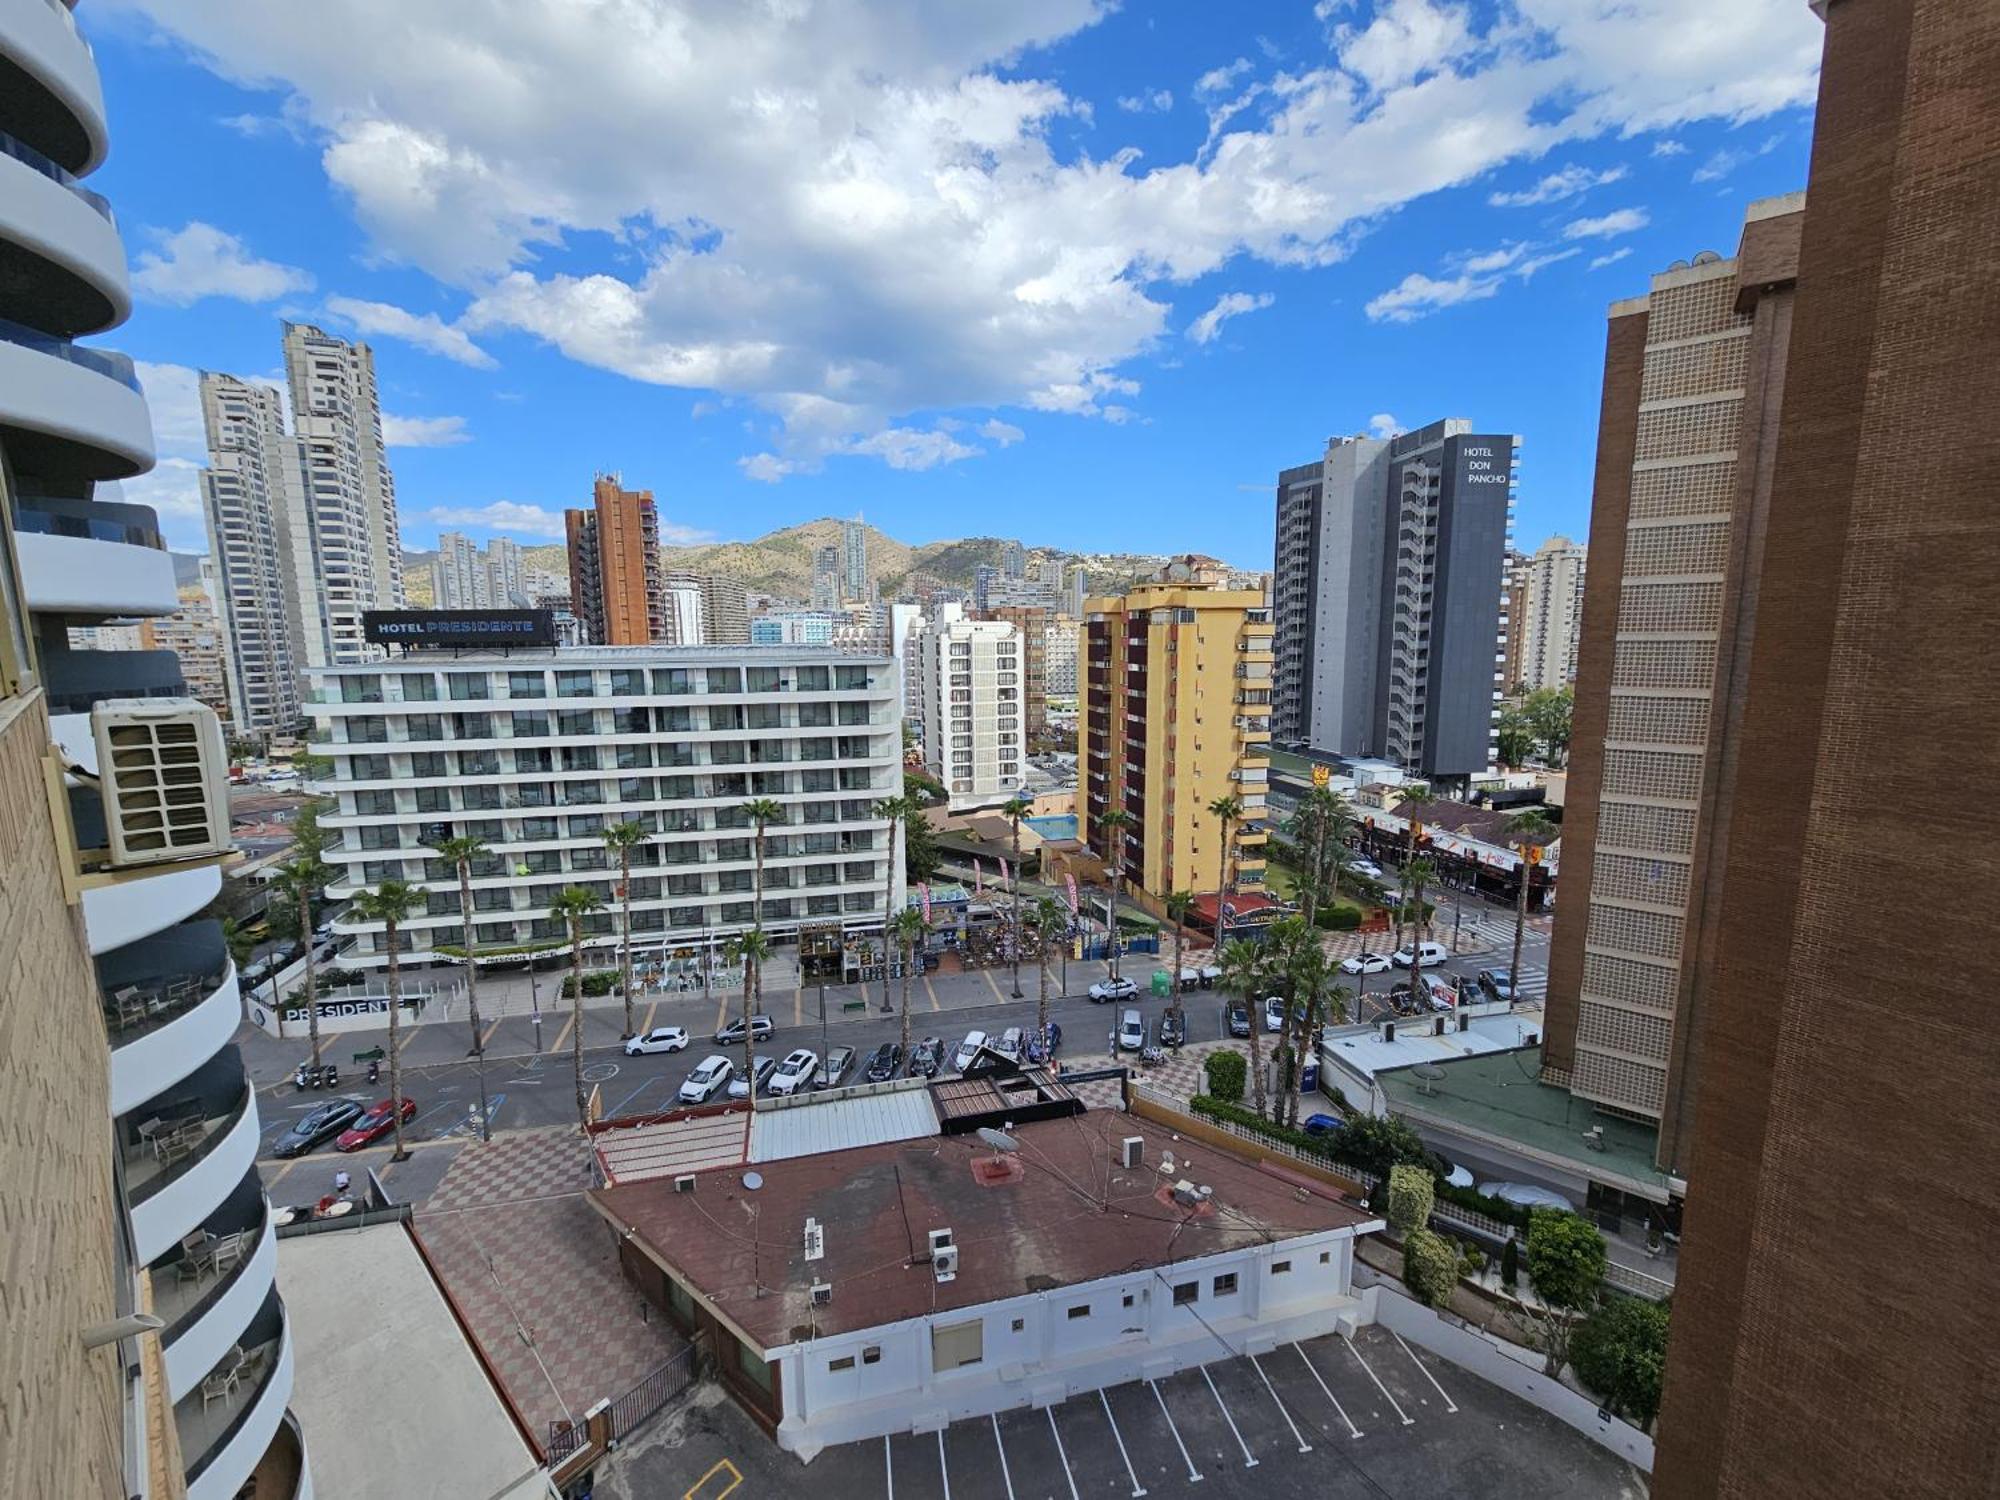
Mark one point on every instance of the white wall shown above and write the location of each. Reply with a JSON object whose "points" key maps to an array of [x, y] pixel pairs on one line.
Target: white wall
{"points": [[1051, 1354]]}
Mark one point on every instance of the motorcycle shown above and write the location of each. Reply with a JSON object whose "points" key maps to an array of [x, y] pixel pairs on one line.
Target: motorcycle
{"points": [[1151, 1056], [374, 1070], [330, 1077], [304, 1077]]}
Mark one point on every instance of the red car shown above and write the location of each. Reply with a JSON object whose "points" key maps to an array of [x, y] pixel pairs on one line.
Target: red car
{"points": [[372, 1126]]}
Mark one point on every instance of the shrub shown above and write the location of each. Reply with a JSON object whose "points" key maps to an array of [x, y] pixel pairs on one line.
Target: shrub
{"points": [[596, 982], [1430, 1267], [1407, 1204], [1342, 918], [1477, 1202], [1619, 1352], [1226, 1074], [1375, 1143], [1510, 1265], [1473, 1259], [1249, 1119]]}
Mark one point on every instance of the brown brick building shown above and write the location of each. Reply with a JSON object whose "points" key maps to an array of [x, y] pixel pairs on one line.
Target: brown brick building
{"points": [[616, 586], [1033, 621], [1834, 1323]]}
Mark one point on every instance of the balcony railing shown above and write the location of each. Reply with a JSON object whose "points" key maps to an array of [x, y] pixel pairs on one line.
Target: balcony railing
{"points": [[22, 152], [148, 983], [173, 1140], [105, 362]]}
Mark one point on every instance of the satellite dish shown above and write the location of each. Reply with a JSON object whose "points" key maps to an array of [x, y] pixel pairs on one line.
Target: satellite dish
{"points": [[753, 1180], [1428, 1076], [999, 1140]]}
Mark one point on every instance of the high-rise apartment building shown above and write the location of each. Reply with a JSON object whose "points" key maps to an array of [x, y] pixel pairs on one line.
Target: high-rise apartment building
{"points": [[725, 611], [128, 1178], [854, 560], [1175, 713], [1059, 658], [973, 724], [826, 580], [1514, 601], [1032, 621], [614, 566], [1076, 588], [793, 627], [1873, 589], [682, 595], [1387, 579], [194, 634], [1014, 560], [505, 574], [1682, 489], [537, 750], [984, 577], [458, 577], [1552, 615]]}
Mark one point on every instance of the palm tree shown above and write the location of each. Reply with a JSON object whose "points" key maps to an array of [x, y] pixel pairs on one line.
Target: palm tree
{"points": [[571, 905], [1051, 917], [1227, 810], [389, 903], [302, 879], [622, 839], [909, 932], [1243, 973], [896, 810], [762, 812], [1306, 973], [1178, 903], [1527, 832], [750, 949], [1417, 872], [1115, 823], [1013, 810], [461, 852]]}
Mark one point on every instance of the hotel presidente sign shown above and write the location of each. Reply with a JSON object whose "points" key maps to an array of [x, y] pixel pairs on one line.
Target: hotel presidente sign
{"points": [[459, 627]]}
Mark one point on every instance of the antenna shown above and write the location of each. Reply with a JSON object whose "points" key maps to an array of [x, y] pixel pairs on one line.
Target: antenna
{"points": [[999, 1140]]}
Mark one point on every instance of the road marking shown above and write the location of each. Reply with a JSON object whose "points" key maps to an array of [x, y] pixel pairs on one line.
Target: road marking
{"points": [[273, 1180], [888, 1467], [721, 1465], [487, 1040], [1298, 1437], [944, 1469], [1062, 1453], [651, 1011], [454, 1104], [1407, 1419], [1352, 1430], [563, 1035], [721, 1013], [409, 1034], [1194, 1474], [1138, 1489], [1005, 1474], [1450, 1405], [931, 990], [987, 975], [799, 1005], [618, 1109], [1249, 1459]]}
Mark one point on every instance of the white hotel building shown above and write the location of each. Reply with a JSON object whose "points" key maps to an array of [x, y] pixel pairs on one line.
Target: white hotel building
{"points": [[537, 750]]}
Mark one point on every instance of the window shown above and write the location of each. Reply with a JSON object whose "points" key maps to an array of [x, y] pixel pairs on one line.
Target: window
{"points": [[1325, 1256], [574, 685], [1127, 1300], [1017, 1325], [956, 1345], [1081, 1310], [1281, 1267], [872, 1354], [1225, 1285], [522, 685], [841, 1365], [1186, 1292]]}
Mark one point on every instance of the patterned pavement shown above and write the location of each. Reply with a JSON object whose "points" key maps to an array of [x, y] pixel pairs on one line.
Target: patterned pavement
{"points": [[535, 1275]]}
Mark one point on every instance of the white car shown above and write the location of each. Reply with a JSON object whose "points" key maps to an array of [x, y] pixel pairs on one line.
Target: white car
{"points": [[761, 1068], [1434, 953], [794, 1073], [1274, 1012], [1131, 1031], [1526, 1195], [1366, 867], [659, 1039], [1013, 1042], [1120, 988], [967, 1050], [1365, 963], [707, 1080]]}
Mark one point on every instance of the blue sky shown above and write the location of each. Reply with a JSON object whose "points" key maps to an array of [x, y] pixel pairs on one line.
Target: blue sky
{"points": [[1079, 274]]}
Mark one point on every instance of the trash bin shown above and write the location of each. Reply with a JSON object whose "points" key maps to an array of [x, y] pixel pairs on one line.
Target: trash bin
{"points": [[1163, 982]]}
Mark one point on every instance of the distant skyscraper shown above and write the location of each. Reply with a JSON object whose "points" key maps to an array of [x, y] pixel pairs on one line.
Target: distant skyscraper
{"points": [[1386, 597], [854, 559], [974, 733], [826, 578], [1553, 621], [725, 611], [1015, 560], [458, 577], [983, 578], [683, 594], [505, 576], [1077, 583], [1515, 574], [1031, 621], [194, 634], [614, 566]]}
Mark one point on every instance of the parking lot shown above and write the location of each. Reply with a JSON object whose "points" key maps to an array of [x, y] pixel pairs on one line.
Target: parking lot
{"points": [[1326, 1418]]}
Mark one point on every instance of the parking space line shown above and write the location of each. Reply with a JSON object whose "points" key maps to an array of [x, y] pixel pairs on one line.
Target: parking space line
{"points": [[651, 1011], [998, 998], [618, 1109], [563, 1035], [1006, 1474], [273, 1179], [1249, 1458], [931, 990], [888, 1466], [1117, 1437], [1407, 1419], [721, 1013], [1062, 1453], [799, 1005], [944, 1469], [1352, 1430], [1297, 1436], [1194, 1474], [487, 1040], [1450, 1405]]}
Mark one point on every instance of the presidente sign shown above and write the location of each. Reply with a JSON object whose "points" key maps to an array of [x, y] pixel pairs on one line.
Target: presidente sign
{"points": [[459, 627]]}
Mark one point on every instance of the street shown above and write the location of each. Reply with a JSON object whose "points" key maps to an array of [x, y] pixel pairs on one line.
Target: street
{"points": [[530, 1082]]}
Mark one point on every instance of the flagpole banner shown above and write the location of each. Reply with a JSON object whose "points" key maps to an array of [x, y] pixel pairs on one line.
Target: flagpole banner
{"points": [[1070, 880], [927, 903]]}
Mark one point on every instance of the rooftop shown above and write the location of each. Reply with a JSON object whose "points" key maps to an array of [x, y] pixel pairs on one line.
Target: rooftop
{"points": [[428, 658], [1499, 1095], [1065, 1213], [1362, 1048]]}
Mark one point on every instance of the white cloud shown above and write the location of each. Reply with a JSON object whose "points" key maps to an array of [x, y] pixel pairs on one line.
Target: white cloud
{"points": [[1555, 187], [200, 261], [1417, 295], [173, 396], [1160, 100], [1221, 80], [1606, 226], [423, 432], [1669, 148], [1725, 161], [427, 331], [1203, 330], [871, 209], [1599, 262], [1384, 425], [1001, 434], [503, 515]]}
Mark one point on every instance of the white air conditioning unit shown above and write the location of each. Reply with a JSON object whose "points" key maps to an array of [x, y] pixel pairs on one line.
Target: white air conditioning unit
{"points": [[945, 1263], [163, 772], [684, 1183], [1132, 1151], [822, 1293], [940, 1239]]}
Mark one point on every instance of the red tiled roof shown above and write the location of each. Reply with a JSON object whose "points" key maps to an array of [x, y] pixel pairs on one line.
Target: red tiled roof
{"points": [[1075, 1215]]}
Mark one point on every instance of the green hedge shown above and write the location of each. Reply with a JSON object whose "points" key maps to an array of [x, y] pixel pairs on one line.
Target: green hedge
{"points": [[1479, 1203], [1225, 1071], [1249, 1119], [596, 982], [1338, 918]]}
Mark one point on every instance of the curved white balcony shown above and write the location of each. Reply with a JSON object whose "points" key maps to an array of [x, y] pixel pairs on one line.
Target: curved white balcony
{"points": [[170, 1197], [223, 1442], [206, 1318], [157, 1049], [115, 915], [81, 576], [42, 40], [47, 214], [70, 411]]}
